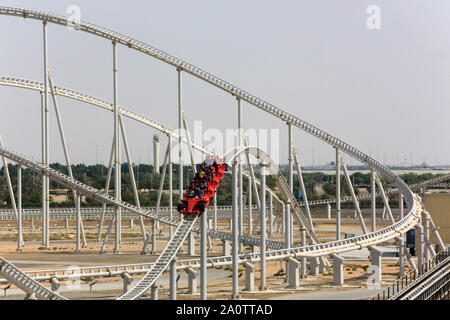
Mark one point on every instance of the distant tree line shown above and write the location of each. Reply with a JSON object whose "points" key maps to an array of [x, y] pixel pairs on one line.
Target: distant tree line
{"points": [[147, 179]]}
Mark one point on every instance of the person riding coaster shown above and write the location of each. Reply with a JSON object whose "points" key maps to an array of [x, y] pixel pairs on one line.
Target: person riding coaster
{"points": [[203, 187]]}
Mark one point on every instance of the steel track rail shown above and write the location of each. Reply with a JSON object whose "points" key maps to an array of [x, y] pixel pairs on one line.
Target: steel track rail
{"points": [[26, 283], [162, 262]]}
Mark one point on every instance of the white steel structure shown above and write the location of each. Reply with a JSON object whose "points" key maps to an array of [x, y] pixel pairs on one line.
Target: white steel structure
{"points": [[295, 212]]}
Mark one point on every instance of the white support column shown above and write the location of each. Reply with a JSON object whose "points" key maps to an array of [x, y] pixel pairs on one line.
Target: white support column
{"points": [[373, 200], [180, 125], [203, 256], [235, 234], [118, 171], [45, 132], [240, 181], [328, 211], [401, 240], [287, 228], [215, 211], [191, 244], [338, 270], [420, 244], [173, 279], [19, 208], [169, 149], [270, 213], [303, 259], [78, 221], [263, 236], [250, 210], [426, 232], [338, 195]]}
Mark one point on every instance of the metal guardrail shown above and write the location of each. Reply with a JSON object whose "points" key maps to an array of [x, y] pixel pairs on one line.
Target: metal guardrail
{"points": [[413, 277]]}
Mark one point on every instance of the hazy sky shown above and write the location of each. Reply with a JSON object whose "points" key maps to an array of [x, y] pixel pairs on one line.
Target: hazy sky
{"points": [[383, 91]]}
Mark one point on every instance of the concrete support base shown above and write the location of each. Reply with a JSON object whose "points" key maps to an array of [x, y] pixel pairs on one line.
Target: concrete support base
{"points": [[293, 278], [55, 285], [338, 270], [192, 281], [127, 280], [249, 276], [226, 248], [30, 296], [154, 291], [322, 266], [375, 266], [131, 224], [314, 266]]}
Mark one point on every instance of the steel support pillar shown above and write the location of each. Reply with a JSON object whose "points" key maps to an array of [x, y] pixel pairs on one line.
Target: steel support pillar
{"points": [[173, 279], [240, 182], [118, 171], [226, 248], [338, 270], [401, 240], [303, 259], [235, 233], [19, 208], [203, 256], [373, 200], [263, 236], [249, 276], [338, 195], [328, 211]]}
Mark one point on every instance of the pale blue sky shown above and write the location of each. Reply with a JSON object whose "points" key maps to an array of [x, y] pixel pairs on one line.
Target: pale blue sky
{"points": [[383, 91]]}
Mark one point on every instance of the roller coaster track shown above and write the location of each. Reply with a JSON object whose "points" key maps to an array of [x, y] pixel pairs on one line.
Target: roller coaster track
{"points": [[100, 196], [26, 283], [83, 97], [162, 262], [430, 281], [315, 250]]}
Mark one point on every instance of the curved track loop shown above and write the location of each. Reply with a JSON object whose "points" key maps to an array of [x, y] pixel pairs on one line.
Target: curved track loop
{"points": [[26, 283], [283, 185]]}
